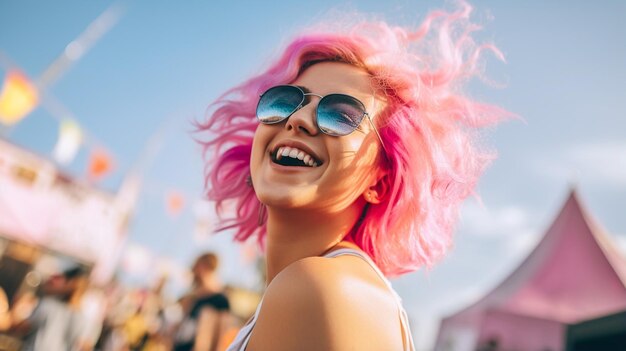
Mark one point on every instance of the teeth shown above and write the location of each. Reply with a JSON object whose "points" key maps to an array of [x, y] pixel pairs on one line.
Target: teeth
{"points": [[279, 153], [287, 151]]}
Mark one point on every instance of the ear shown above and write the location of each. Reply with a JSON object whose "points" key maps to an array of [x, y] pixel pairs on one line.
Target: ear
{"points": [[377, 191]]}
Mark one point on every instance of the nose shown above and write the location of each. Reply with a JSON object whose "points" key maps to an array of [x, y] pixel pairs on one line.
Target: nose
{"points": [[303, 120]]}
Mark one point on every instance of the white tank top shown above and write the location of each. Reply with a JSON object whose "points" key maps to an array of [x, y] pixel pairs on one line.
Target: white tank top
{"points": [[243, 337]]}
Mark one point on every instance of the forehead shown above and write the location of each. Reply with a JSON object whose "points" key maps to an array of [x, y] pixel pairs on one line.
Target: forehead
{"points": [[337, 78]]}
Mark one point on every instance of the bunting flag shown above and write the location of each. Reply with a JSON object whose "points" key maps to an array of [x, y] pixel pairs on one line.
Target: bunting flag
{"points": [[18, 97], [174, 202], [70, 138], [100, 164]]}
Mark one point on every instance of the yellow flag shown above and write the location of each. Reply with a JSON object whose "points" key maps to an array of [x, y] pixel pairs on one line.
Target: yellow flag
{"points": [[17, 99]]}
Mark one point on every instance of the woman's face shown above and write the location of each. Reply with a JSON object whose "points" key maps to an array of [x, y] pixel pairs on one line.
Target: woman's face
{"points": [[345, 165]]}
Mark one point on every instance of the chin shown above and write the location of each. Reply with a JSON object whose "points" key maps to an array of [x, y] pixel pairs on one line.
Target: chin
{"points": [[284, 196]]}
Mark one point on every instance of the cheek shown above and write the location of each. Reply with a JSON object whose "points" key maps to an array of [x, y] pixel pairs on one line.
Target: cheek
{"points": [[259, 144], [357, 152], [354, 165]]}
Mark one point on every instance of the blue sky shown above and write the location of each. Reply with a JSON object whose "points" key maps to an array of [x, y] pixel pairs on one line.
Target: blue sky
{"points": [[164, 62]]}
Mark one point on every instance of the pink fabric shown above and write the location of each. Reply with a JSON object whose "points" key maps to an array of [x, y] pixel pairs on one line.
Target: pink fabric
{"points": [[576, 281], [25, 214], [574, 274], [58, 213], [47, 218]]}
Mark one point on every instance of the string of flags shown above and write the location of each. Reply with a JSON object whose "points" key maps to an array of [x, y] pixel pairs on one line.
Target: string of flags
{"points": [[19, 97]]}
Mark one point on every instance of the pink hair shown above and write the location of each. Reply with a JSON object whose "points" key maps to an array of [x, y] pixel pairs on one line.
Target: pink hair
{"points": [[428, 128]]}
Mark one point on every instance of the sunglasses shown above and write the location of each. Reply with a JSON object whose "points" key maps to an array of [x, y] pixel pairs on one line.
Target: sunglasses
{"points": [[336, 114]]}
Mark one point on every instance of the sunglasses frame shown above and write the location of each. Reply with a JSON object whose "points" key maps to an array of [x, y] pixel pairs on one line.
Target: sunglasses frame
{"points": [[301, 105]]}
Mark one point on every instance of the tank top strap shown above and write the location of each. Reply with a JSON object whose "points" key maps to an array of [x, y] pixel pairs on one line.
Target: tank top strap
{"points": [[365, 257], [407, 338]]}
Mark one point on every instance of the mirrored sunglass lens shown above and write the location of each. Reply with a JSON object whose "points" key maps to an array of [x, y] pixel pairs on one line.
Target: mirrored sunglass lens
{"points": [[339, 114], [278, 103]]}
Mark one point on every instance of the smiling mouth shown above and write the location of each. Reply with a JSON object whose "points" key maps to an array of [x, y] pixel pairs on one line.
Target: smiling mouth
{"points": [[294, 157]]}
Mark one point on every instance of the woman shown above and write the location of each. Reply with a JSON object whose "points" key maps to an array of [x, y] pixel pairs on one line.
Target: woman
{"points": [[357, 150], [58, 322], [206, 309]]}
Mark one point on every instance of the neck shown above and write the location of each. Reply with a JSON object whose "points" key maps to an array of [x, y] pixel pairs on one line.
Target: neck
{"points": [[208, 283], [296, 234]]}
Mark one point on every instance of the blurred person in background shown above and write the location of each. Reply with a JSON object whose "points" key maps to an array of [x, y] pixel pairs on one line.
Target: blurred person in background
{"points": [[58, 322], [206, 309], [121, 304], [135, 329], [7, 341], [158, 327], [93, 308], [146, 328], [20, 308], [5, 315], [357, 149]]}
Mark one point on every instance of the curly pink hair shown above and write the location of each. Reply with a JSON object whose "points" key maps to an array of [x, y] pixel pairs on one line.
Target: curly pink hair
{"points": [[429, 129]]}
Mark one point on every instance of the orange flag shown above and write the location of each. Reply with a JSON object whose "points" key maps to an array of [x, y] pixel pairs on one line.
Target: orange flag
{"points": [[18, 97], [175, 202], [100, 164]]}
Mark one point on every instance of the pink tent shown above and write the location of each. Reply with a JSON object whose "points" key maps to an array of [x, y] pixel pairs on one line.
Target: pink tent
{"points": [[573, 274]]}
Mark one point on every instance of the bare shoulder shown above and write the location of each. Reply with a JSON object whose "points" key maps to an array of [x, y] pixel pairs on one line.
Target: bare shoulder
{"points": [[327, 303]]}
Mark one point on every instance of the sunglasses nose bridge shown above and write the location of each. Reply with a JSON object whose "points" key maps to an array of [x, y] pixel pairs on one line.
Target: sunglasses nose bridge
{"points": [[304, 122], [313, 94]]}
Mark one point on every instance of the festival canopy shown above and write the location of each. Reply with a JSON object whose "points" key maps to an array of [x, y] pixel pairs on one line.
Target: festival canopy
{"points": [[575, 273]]}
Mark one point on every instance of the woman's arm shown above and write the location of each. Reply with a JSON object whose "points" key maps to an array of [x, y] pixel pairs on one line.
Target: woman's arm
{"points": [[207, 331], [27, 313], [5, 315]]}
